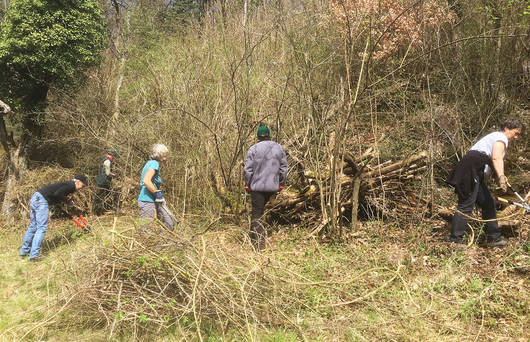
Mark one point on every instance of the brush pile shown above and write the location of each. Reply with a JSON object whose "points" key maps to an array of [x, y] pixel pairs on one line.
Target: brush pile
{"points": [[154, 280], [388, 188]]}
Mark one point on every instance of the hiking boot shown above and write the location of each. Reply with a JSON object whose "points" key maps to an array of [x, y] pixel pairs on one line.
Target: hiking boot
{"points": [[36, 259], [497, 243]]}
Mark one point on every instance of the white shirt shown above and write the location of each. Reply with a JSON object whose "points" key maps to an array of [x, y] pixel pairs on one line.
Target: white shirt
{"points": [[106, 165], [485, 145]]}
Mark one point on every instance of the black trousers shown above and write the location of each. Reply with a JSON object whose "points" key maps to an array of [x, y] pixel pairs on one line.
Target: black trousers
{"points": [[482, 197], [103, 200], [258, 232]]}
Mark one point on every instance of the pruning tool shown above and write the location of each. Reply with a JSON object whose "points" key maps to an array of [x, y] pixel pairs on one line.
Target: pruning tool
{"points": [[518, 196], [81, 223], [169, 212], [525, 206]]}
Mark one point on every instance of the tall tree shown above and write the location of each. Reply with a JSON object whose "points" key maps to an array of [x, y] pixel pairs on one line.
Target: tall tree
{"points": [[43, 44]]}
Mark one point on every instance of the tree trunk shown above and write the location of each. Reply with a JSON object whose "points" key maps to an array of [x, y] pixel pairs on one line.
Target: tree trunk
{"points": [[18, 166], [355, 202], [120, 40], [17, 155]]}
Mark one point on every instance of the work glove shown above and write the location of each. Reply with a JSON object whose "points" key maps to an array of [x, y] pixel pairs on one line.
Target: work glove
{"points": [[159, 196], [503, 183], [69, 201]]}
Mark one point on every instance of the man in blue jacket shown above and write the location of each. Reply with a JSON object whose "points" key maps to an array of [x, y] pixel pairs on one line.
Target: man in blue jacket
{"points": [[265, 172]]}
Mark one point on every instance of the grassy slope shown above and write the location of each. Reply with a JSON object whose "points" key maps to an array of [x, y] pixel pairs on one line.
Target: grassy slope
{"points": [[387, 283]]}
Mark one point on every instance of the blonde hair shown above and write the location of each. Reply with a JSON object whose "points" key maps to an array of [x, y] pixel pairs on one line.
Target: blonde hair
{"points": [[158, 151]]}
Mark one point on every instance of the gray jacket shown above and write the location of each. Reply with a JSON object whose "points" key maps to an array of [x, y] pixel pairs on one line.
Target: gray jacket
{"points": [[266, 166]]}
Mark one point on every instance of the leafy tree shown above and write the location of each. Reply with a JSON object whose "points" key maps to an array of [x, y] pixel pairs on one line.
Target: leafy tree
{"points": [[45, 44]]}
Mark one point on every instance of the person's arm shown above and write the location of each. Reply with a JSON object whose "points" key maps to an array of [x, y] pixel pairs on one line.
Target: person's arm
{"points": [[497, 158], [249, 168], [283, 168], [64, 192], [148, 180]]}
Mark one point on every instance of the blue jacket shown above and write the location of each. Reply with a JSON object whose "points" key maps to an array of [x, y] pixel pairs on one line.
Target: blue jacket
{"points": [[266, 166]]}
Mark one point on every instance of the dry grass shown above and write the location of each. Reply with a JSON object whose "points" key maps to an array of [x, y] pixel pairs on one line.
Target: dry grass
{"points": [[118, 284]]}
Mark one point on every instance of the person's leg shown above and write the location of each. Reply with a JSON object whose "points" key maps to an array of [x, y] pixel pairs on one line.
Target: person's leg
{"points": [[32, 228], [256, 226], [267, 196], [163, 216], [98, 200], [459, 224], [107, 198], [41, 220], [147, 214], [487, 203]]}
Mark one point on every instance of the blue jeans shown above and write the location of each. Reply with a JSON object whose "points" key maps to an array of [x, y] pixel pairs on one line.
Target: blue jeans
{"points": [[38, 224]]}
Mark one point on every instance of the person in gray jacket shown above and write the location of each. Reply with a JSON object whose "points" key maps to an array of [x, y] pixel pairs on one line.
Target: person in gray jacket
{"points": [[265, 172]]}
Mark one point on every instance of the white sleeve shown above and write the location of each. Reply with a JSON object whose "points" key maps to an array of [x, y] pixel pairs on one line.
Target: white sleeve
{"points": [[106, 165]]}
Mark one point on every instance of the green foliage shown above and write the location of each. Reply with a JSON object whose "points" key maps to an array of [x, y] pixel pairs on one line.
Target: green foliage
{"points": [[48, 43], [280, 336], [143, 318]]}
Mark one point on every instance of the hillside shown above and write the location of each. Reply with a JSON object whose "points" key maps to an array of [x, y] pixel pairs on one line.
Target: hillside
{"points": [[374, 102]]}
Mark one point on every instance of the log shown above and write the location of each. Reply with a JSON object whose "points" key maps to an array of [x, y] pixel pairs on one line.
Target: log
{"points": [[397, 165]]}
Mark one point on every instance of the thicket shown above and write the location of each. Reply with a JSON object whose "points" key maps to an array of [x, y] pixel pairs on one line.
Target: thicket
{"points": [[326, 79]]}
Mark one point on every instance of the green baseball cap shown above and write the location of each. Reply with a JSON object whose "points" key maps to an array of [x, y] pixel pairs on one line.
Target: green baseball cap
{"points": [[263, 131], [114, 152]]}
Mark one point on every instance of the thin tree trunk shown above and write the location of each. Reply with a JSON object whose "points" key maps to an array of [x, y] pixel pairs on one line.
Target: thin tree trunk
{"points": [[120, 42], [17, 156], [18, 165], [355, 202]]}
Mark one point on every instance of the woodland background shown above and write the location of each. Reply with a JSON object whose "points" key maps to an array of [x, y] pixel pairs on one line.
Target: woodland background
{"points": [[341, 84]]}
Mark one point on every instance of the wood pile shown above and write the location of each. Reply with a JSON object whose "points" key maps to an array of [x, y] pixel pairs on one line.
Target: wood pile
{"points": [[386, 188]]}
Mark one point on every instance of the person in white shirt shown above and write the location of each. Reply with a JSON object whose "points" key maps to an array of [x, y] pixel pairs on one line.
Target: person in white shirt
{"points": [[105, 197], [467, 178]]}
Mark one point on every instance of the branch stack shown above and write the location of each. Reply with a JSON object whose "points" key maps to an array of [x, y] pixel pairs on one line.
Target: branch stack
{"points": [[388, 188]]}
